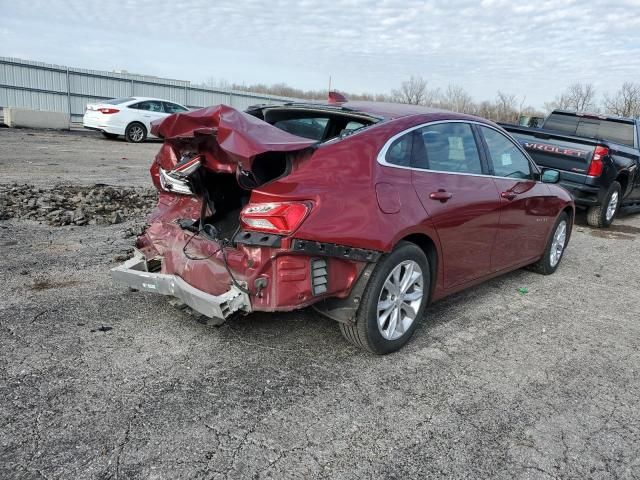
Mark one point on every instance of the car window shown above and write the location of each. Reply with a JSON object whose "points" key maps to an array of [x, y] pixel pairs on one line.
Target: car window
{"points": [[351, 127], [148, 105], [399, 152], [173, 108], [312, 128], [447, 147], [592, 127], [506, 158]]}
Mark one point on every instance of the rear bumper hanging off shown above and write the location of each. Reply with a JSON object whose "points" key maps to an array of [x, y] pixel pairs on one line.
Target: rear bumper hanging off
{"points": [[134, 273]]}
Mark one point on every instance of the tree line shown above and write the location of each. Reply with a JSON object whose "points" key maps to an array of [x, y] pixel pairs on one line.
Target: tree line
{"points": [[505, 107]]}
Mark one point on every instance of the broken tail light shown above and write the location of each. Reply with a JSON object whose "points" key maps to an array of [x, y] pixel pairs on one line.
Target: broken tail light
{"points": [[597, 161], [282, 218], [177, 180], [108, 111]]}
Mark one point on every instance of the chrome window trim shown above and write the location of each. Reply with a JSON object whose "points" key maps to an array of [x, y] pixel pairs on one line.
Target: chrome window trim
{"points": [[381, 158]]}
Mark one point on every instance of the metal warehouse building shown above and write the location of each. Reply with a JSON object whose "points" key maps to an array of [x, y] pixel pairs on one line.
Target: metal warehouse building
{"points": [[41, 86]]}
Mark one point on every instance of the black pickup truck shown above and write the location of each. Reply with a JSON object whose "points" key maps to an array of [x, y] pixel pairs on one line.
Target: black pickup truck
{"points": [[598, 157]]}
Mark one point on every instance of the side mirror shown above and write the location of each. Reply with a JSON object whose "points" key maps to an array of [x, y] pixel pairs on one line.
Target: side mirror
{"points": [[550, 176]]}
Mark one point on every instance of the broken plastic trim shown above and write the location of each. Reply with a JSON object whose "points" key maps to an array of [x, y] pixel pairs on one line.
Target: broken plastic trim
{"points": [[345, 309], [257, 239], [135, 274], [332, 250]]}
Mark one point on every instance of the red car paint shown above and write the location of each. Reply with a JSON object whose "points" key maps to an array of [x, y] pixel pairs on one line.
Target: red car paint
{"points": [[489, 225]]}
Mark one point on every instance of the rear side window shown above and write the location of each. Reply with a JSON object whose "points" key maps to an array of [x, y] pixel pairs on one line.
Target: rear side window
{"points": [[618, 132], [507, 159], [117, 101], [148, 105], [447, 147], [399, 152], [312, 128]]}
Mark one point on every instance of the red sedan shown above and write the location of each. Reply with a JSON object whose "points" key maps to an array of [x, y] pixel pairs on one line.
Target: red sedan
{"points": [[367, 211]]}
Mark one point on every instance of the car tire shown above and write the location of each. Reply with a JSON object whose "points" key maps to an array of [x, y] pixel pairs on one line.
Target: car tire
{"points": [[383, 323], [135, 132], [110, 136], [555, 248], [601, 216]]}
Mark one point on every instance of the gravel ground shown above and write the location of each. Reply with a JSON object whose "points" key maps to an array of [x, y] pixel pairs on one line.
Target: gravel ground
{"points": [[97, 382]]}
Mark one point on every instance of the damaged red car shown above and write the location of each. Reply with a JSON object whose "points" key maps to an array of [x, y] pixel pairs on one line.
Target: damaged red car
{"points": [[367, 211]]}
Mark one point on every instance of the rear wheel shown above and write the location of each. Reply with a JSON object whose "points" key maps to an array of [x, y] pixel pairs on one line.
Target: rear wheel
{"points": [[550, 260], [110, 136], [601, 216], [393, 302], [135, 132]]}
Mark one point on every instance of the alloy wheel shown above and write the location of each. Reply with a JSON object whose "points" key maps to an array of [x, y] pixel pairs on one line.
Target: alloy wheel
{"points": [[557, 245], [136, 133], [400, 299], [612, 207]]}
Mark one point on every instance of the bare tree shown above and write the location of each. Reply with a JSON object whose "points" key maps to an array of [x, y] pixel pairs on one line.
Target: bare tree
{"points": [[214, 82], [457, 99], [580, 97], [560, 102], [505, 108], [413, 91], [625, 102]]}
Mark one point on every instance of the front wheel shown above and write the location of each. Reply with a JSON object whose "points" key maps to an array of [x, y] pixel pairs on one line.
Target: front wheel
{"points": [[601, 216], [554, 250], [393, 301], [135, 133]]}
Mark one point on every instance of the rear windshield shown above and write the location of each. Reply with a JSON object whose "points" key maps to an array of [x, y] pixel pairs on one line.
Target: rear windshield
{"points": [[319, 124], [612, 130], [118, 101]]}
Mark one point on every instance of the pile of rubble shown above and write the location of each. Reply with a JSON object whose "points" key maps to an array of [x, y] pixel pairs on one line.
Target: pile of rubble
{"points": [[73, 205]]}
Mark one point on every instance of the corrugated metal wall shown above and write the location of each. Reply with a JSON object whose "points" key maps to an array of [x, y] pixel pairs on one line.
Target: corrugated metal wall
{"points": [[42, 86]]}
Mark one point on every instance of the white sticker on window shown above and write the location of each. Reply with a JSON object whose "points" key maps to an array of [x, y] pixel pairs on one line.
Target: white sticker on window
{"points": [[506, 159]]}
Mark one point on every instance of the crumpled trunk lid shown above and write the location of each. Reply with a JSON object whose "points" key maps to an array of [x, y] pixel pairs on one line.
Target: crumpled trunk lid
{"points": [[228, 136]]}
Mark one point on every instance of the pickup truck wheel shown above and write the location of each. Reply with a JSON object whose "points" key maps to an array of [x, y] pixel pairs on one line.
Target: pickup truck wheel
{"points": [[393, 301], [135, 132], [601, 216], [556, 244]]}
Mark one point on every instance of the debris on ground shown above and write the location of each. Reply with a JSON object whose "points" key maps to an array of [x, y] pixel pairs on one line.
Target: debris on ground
{"points": [[102, 328], [75, 205], [523, 290]]}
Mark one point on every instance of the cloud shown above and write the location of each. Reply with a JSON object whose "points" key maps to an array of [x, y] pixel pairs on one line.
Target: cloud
{"points": [[532, 49]]}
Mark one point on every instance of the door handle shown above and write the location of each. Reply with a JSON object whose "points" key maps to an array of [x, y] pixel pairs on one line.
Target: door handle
{"points": [[441, 195], [508, 195]]}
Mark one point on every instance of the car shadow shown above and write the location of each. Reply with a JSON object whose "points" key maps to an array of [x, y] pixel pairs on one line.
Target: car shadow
{"points": [[306, 331]]}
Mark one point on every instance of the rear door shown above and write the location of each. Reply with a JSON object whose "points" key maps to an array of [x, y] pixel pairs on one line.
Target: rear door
{"points": [[526, 210], [148, 111], [450, 179]]}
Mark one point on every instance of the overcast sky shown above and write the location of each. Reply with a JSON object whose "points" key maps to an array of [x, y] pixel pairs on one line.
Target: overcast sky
{"points": [[531, 48]]}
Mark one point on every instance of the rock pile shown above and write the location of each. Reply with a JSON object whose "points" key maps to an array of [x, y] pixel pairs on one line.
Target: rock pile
{"points": [[74, 205]]}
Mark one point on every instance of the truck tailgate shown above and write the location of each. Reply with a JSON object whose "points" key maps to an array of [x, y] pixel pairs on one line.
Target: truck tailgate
{"points": [[570, 155]]}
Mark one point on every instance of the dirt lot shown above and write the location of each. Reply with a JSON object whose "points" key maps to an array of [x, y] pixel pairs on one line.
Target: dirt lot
{"points": [[97, 382]]}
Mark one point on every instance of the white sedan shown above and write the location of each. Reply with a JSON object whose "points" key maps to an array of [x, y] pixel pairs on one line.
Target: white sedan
{"points": [[131, 116]]}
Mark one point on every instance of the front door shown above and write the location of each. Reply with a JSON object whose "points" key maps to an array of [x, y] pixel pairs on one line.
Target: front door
{"points": [[462, 201], [526, 215]]}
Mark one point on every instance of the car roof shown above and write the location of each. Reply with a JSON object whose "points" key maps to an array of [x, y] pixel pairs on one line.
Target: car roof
{"points": [[141, 99], [380, 110]]}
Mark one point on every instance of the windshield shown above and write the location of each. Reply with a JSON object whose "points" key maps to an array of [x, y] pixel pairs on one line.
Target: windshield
{"points": [[591, 127]]}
